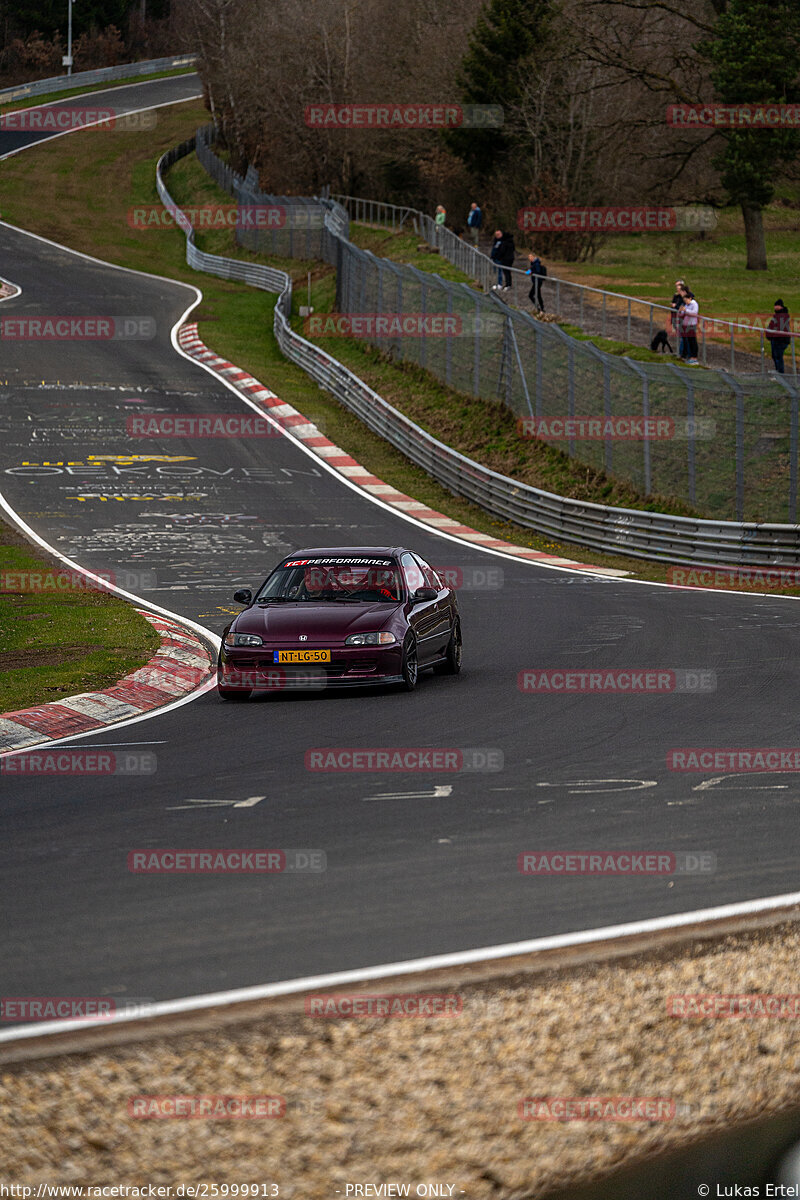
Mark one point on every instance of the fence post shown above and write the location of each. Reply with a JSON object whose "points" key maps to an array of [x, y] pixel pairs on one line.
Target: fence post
{"points": [[737, 387], [539, 372], [520, 368], [691, 448], [609, 452], [476, 363], [629, 320], [604, 314], [423, 303], [448, 371], [571, 391], [401, 351]]}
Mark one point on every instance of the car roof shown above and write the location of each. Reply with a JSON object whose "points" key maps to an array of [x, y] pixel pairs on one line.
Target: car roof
{"points": [[349, 552]]}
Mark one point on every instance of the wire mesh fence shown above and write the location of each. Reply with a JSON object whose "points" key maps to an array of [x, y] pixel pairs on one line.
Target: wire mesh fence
{"points": [[725, 445], [740, 346]]}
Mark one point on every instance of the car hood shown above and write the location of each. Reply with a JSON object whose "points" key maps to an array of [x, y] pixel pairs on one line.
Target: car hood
{"points": [[282, 622]]}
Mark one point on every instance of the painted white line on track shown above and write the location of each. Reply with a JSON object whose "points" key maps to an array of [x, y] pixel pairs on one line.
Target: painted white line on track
{"points": [[90, 124], [413, 966]]}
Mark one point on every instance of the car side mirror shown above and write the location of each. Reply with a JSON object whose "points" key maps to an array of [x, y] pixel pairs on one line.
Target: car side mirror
{"points": [[423, 593], [244, 596]]}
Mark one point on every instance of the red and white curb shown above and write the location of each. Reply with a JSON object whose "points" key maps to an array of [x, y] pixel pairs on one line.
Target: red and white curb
{"points": [[181, 664], [300, 427]]}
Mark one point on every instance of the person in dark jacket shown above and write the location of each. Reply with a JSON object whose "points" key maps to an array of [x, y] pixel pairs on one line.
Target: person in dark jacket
{"points": [[779, 334], [474, 221], [537, 273], [503, 253]]}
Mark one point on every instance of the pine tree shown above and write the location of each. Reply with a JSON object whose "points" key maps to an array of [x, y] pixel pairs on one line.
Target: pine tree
{"points": [[755, 58], [506, 33]]}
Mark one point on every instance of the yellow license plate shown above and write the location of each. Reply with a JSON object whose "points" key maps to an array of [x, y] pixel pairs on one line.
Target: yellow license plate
{"points": [[302, 656]]}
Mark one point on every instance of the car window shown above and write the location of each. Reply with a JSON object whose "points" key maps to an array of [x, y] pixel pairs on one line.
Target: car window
{"points": [[413, 574], [429, 575], [320, 580]]}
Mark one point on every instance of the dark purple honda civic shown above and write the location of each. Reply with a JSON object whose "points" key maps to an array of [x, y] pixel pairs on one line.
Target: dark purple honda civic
{"points": [[341, 617]]}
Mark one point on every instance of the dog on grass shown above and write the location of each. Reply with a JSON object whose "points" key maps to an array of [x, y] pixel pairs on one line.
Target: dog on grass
{"points": [[660, 343]]}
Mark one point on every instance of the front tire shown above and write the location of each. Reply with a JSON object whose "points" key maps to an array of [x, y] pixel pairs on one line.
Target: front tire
{"points": [[452, 661], [409, 668]]}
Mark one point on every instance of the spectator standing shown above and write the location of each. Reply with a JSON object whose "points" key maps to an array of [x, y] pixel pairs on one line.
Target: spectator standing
{"points": [[779, 334], [440, 218], [474, 221], [537, 272], [503, 253], [674, 323], [688, 323]]}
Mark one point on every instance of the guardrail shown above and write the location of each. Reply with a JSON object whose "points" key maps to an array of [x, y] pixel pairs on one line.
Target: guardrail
{"points": [[648, 535], [62, 83], [593, 310]]}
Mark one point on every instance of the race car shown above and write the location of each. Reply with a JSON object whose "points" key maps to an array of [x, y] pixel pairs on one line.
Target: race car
{"points": [[341, 617]]}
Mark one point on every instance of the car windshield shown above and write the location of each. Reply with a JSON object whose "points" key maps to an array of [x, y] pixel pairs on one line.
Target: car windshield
{"points": [[321, 581]]}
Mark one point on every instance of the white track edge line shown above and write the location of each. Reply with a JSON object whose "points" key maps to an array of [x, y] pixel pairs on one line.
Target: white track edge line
{"points": [[91, 124], [435, 962]]}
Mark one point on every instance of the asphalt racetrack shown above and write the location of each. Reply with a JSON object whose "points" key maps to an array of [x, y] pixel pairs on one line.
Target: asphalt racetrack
{"points": [[417, 863]]}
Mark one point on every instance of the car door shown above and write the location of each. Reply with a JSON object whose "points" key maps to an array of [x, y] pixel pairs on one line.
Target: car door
{"points": [[441, 628], [423, 617]]}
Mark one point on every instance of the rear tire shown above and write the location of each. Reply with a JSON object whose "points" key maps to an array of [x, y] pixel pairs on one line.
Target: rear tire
{"points": [[452, 662], [409, 667]]}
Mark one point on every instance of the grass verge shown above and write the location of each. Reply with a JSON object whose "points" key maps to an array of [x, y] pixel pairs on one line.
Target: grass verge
{"points": [[58, 638]]}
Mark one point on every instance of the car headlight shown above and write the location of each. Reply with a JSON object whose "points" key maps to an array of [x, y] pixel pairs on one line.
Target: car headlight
{"points": [[370, 639], [243, 639]]}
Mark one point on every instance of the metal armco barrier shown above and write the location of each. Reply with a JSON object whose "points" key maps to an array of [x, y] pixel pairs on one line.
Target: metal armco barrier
{"points": [[63, 83], [649, 535]]}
